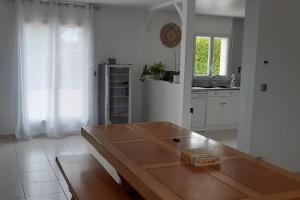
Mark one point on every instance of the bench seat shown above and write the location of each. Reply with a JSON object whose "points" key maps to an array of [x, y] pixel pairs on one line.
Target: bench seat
{"points": [[88, 180]]}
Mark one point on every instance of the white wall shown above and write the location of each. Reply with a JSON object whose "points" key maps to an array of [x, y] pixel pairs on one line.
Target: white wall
{"points": [[237, 44], [7, 67], [273, 129], [220, 26], [119, 32], [161, 101], [155, 51], [164, 105], [213, 24]]}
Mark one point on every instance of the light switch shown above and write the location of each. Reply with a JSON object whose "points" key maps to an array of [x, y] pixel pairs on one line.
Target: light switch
{"points": [[264, 87]]}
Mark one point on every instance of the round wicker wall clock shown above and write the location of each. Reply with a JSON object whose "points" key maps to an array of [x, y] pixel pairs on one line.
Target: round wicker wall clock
{"points": [[170, 35]]}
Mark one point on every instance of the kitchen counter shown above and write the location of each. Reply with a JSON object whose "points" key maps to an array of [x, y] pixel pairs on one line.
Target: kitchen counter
{"points": [[200, 89]]}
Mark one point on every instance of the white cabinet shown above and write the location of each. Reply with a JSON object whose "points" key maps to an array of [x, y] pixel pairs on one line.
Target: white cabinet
{"points": [[222, 108], [214, 111], [199, 110], [230, 110], [114, 99]]}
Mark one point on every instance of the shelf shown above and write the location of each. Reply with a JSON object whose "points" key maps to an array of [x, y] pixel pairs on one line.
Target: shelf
{"points": [[119, 74], [119, 87], [124, 115], [113, 106], [119, 96], [127, 82]]}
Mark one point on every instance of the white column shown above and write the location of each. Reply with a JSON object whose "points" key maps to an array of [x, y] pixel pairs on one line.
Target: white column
{"points": [[248, 74], [186, 62]]}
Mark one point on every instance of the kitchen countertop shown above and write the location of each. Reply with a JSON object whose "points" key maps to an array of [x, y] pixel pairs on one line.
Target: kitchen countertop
{"points": [[198, 89]]}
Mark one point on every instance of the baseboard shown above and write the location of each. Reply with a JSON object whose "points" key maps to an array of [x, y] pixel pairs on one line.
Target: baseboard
{"points": [[7, 136]]}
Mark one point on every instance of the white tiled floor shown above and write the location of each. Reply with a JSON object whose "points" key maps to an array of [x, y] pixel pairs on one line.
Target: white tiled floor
{"points": [[28, 169], [227, 137]]}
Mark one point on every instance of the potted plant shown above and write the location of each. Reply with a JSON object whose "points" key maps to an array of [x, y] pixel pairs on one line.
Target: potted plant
{"points": [[157, 69], [146, 72]]}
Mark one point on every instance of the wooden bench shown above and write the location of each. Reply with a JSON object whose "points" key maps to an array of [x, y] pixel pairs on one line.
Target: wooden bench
{"points": [[88, 180]]}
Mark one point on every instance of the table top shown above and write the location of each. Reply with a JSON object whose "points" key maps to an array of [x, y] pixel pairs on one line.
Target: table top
{"points": [[148, 158]]}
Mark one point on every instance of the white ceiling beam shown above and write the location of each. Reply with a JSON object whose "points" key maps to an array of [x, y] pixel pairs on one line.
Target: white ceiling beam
{"points": [[153, 9], [148, 19], [179, 10], [164, 5]]}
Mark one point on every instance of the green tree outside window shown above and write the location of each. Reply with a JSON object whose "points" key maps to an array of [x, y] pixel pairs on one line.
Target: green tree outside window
{"points": [[202, 56]]}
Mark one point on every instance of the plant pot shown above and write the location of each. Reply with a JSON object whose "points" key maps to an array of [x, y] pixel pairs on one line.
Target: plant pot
{"points": [[157, 76], [176, 79]]}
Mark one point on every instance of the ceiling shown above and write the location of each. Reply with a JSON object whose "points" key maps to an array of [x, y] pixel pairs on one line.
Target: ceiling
{"points": [[230, 8]]}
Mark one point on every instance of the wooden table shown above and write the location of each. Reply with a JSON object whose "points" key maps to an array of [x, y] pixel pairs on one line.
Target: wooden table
{"points": [[147, 157]]}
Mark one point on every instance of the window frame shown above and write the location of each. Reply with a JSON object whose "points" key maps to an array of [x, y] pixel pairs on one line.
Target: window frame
{"points": [[212, 36]]}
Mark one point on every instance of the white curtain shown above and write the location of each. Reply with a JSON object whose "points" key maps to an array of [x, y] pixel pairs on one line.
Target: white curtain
{"points": [[55, 68]]}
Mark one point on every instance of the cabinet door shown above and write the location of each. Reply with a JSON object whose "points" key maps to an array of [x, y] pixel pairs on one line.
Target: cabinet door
{"points": [[199, 106], [230, 110], [214, 111]]}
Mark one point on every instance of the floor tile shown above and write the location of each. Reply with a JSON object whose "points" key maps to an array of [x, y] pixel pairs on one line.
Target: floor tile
{"points": [[9, 169], [32, 145], [56, 148], [6, 144], [10, 179], [42, 176], [226, 137], [60, 196], [64, 185], [8, 151], [32, 156], [78, 144], [42, 188], [31, 164], [9, 161], [11, 192], [35, 166], [68, 195], [58, 174], [51, 155]]}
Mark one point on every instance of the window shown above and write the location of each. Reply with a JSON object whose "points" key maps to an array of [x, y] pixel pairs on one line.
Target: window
{"points": [[211, 56], [64, 80]]}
